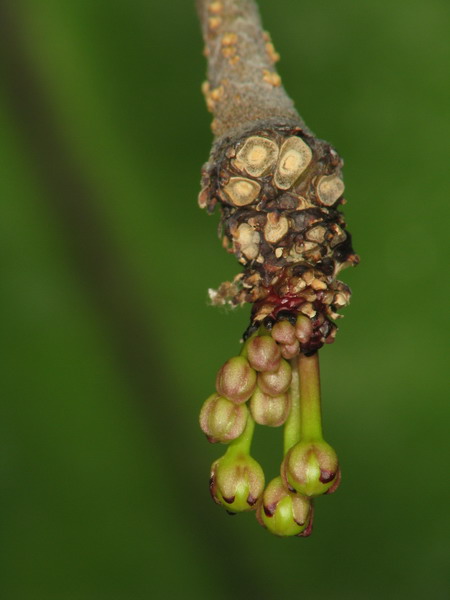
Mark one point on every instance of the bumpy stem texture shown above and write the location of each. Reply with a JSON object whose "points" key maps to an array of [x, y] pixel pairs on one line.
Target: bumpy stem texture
{"points": [[243, 85]]}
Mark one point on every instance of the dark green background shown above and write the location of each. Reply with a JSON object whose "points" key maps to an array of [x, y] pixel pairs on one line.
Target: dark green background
{"points": [[109, 345]]}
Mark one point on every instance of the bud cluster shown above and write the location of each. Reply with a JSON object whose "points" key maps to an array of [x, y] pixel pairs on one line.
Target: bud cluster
{"points": [[261, 386]]}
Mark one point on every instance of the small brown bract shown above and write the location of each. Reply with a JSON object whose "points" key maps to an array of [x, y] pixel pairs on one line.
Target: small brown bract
{"points": [[295, 156], [248, 240], [329, 189], [308, 310], [339, 236], [316, 234], [276, 227], [257, 156], [242, 191]]}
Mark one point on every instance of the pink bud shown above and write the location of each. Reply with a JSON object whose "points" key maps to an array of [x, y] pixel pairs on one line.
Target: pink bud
{"points": [[288, 351], [222, 420], [269, 410], [263, 353], [277, 382], [284, 333], [236, 380]]}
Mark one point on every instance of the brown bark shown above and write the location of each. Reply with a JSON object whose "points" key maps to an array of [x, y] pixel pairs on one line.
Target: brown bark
{"points": [[243, 86]]}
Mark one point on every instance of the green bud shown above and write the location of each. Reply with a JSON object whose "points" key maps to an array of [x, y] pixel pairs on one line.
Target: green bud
{"points": [[263, 353], [222, 420], [269, 410], [237, 482], [310, 468], [282, 512], [236, 380], [276, 382]]}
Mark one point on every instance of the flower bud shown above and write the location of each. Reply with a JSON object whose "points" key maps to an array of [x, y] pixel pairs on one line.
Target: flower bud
{"points": [[283, 513], [222, 420], [284, 333], [310, 468], [276, 382], [263, 353], [303, 329], [237, 482], [269, 410], [236, 380], [288, 351]]}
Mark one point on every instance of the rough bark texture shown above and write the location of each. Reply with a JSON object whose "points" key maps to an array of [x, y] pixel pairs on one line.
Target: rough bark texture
{"points": [[278, 187], [243, 85]]}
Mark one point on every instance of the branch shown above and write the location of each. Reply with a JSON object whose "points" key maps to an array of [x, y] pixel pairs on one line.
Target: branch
{"points": [[243, 85]]}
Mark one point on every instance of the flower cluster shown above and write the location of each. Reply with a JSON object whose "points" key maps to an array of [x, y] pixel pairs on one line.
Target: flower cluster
{"points": [[271, 383]]}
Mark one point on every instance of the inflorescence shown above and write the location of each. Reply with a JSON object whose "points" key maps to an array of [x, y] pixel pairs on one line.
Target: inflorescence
{"points": [[279, 190]]}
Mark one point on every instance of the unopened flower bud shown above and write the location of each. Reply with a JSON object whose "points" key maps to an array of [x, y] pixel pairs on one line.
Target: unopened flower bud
{"points": [[303, 329], [263, 353], [282, 512], [237, 482], [276, 382], [269, 410], [310, 468], [222, 420], [236, 380], [288, 351], [284, 333]]}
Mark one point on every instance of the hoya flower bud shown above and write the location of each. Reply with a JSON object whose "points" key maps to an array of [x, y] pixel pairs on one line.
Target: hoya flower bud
{"points": [[263, 353], [282, 512], [236, 380], [276, 382], [269, 410], [222, 420], [237, 482], [310, 468]]}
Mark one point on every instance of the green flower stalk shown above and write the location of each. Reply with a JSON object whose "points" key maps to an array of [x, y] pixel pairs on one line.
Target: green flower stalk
{"points": [[280, 511], [310, 467], [279, 190]]}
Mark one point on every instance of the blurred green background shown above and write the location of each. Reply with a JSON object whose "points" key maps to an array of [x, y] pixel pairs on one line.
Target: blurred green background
{"points": [[110, 347]]}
